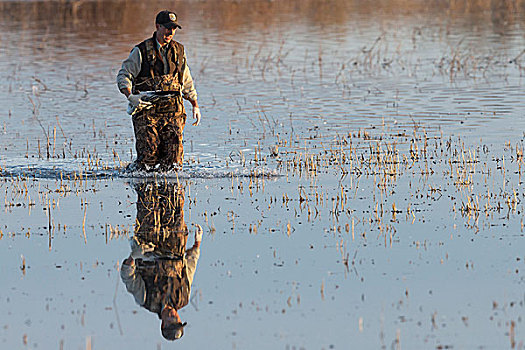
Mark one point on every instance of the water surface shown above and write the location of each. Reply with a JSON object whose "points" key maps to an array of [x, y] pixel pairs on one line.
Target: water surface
{"points": [[357, 173]]}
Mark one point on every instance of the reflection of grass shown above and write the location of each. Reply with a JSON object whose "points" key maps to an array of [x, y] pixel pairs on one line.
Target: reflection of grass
{"points": [[425, 53], [460, 60]]}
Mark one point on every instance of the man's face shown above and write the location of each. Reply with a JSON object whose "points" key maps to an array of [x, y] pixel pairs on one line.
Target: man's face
{"points": [[164, 35], [170, 315]]}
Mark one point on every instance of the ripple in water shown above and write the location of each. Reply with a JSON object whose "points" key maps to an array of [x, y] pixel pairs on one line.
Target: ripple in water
{"points": [[127, 171]]}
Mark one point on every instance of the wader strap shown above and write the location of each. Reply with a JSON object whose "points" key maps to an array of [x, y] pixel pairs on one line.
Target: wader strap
{"points": [[181, 64], [150, 52]]}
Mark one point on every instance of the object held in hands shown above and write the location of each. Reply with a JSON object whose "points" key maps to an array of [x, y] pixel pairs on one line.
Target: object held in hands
{"points": [[137, 102]]}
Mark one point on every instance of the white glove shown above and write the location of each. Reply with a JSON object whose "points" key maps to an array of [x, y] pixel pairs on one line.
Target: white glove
{"points": [[140, 250], [198, 233], [136, 101], [197, 116]]}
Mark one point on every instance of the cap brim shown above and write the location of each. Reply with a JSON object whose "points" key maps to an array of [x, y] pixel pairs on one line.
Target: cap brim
{"points": [[172, 25]]}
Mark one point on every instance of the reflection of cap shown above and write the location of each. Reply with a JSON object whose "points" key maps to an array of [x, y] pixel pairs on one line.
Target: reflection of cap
{"points": [[168, 19], [174, 331], [179, 332]]}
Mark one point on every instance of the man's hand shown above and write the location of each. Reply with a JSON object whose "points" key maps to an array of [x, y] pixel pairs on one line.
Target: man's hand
{"points": [[197, 116], [136, 100], [140, 250], [198, 233]]}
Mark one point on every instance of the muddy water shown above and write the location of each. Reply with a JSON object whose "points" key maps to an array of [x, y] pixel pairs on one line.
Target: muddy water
{"points": [[358, 175]]}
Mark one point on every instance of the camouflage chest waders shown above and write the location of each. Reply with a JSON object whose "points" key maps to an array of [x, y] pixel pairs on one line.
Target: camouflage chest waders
{"points": [[158, 133], [159, 129]]}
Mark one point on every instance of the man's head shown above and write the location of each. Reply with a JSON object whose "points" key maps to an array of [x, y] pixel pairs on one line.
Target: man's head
{"points": [[171, 326], [167, 19], [166, 23], [173, 331]]}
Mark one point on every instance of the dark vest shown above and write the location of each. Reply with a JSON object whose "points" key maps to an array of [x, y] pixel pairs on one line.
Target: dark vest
{"points": [[166, 284], [151, 76]]}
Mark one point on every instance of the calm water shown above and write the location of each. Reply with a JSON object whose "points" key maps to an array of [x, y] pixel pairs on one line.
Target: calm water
{"points": [[390, 138]]}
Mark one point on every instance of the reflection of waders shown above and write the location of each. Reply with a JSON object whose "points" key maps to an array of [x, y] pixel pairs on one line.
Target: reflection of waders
{"points": [[160, 224], [158, 130], [160, 218]]}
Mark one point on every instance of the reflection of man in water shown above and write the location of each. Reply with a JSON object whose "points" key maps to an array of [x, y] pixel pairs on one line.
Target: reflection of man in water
{"points": [[155, 78], [159, 271]]}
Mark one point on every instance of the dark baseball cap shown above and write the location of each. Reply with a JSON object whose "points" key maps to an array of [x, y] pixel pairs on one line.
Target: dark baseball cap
{"points": [[173, 331], [168, 19]]}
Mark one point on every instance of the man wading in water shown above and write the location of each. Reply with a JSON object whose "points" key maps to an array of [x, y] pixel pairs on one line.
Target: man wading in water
{"points": [[155, 78]]}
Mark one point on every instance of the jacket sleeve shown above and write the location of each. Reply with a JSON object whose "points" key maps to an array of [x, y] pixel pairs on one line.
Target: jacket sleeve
{"points": [[188, 89], [191, 257], [130, 69], [134, 283]]}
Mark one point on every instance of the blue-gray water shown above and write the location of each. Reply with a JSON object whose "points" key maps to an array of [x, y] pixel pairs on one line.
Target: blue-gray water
{"points": [[357, 173]]}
